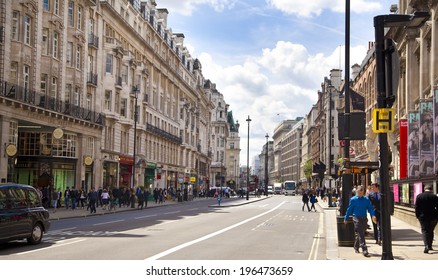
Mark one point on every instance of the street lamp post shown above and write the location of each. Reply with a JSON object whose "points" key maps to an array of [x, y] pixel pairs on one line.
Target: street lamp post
{"points": [[135, 90], [247, 163], [266, 165], [385, 99]]}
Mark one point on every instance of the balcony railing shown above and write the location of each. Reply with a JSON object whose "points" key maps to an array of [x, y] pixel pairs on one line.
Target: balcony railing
{"points": [[17, 93], [119, 81], [92, 78], [164, 134], [93, 41]]}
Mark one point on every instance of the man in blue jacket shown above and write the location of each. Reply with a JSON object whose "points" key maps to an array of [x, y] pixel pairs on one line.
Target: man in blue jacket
{"points": [[358, 206]]}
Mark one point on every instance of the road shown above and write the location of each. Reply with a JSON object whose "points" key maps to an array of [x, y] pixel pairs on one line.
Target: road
{"points": [[271, 229]]}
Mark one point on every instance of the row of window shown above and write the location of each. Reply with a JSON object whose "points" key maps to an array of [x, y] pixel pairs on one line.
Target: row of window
{"points": [[74, 12]]}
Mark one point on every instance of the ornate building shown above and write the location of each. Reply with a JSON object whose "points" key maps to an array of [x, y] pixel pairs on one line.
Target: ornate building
{"points": [[101, 94]]}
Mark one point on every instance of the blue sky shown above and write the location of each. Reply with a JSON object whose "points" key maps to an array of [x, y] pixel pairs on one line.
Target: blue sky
{"points": [[269, 57]]}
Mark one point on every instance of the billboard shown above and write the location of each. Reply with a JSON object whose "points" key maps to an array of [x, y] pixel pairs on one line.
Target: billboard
{"points": [[414, 144], [426, 138]]}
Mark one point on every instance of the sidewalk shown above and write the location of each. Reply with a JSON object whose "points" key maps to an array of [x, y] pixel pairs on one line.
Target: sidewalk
{"points": [[407, 242], [62, 213]]}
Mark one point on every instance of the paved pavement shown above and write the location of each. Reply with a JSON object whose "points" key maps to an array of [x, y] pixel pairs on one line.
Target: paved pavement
{"points": [[406, 242]]}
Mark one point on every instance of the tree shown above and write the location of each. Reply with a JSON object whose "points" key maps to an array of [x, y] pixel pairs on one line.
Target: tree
{"points": [[308, 169]]}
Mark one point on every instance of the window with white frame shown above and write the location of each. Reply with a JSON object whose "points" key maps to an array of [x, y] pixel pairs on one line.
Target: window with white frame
{"points": [[70, 13], [90, 146], [27, 29], [79, 20], [45, 41], [109, 63], [55, 45], [14, 72], [26, 75], [123, 105], [43, 85], [91, 26], [89, 101], [54, 88], [13, 132], [117, 104], [78, 57], [15, 25], [77, 95], [69, 53], [125, 74], [56, 7], [107, 104], [68, 91]]}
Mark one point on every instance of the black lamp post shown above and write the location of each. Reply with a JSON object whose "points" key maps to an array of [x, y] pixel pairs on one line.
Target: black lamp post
{"points": [[347, 178], [266, 165], [135, 90], [385, 99], [247, 163]]}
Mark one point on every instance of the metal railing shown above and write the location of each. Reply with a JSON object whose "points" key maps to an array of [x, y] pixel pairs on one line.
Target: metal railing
{"points": [[33, 98]]}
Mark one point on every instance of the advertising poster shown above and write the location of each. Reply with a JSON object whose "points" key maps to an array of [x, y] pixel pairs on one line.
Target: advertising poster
{"points": [[426, 138], [414, 144], [396, 193], [405, 193], [418, 188]]}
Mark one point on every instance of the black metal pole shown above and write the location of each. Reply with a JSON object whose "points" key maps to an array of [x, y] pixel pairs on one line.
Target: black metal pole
{"points": [[266, 166], [385, 219], [347, 178], [136, 90], [247, 163]]}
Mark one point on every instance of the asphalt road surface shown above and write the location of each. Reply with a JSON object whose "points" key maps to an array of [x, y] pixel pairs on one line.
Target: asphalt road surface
{"points": [[271, 229]]}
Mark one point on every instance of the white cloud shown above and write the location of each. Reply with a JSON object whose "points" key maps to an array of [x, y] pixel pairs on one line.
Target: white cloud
{"points": [[186, 7], [314, 8]]}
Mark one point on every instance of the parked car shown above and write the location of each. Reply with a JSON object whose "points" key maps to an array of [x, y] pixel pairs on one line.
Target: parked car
{"points": [[22, 214]]}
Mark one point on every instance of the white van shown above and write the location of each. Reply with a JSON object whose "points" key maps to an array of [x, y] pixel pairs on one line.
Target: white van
{"points": [[278, 188]]}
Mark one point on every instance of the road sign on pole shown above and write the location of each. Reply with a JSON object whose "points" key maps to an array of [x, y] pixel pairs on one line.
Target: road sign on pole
{"points": [[383, 120]]}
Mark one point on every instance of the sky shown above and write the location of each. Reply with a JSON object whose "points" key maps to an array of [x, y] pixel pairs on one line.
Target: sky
{"points": [[269, 57]]}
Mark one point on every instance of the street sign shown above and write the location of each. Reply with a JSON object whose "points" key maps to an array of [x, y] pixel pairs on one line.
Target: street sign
{"points": [[383, 120]]}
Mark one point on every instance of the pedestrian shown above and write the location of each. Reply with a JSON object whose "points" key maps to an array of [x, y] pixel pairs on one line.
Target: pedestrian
{"points": [[140, 197], [73, 196], [426, 211], [67, 197], [82, 197], [55, 197], [145, 197], [374, 197], [93, 198], [305, 200], [313, 200], [105, 198], [358, 206]]}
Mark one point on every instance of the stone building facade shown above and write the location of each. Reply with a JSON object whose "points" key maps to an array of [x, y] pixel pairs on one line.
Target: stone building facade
{"points": [[83, 80]]}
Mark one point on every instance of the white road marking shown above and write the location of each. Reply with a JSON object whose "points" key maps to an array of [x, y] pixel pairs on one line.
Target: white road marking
{"points": [[266, 222], [148, 216], [174, 212], [61, 243], [193, 209], [316, 238], [110, 222], [187, 244]]}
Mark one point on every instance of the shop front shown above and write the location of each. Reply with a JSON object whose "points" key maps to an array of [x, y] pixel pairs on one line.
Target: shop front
{"points": [[149, 176], [125, 179], [110, 172]]}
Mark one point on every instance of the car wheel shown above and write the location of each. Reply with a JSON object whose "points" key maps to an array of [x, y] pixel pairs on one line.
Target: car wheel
{"points": [[36, 235]]}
